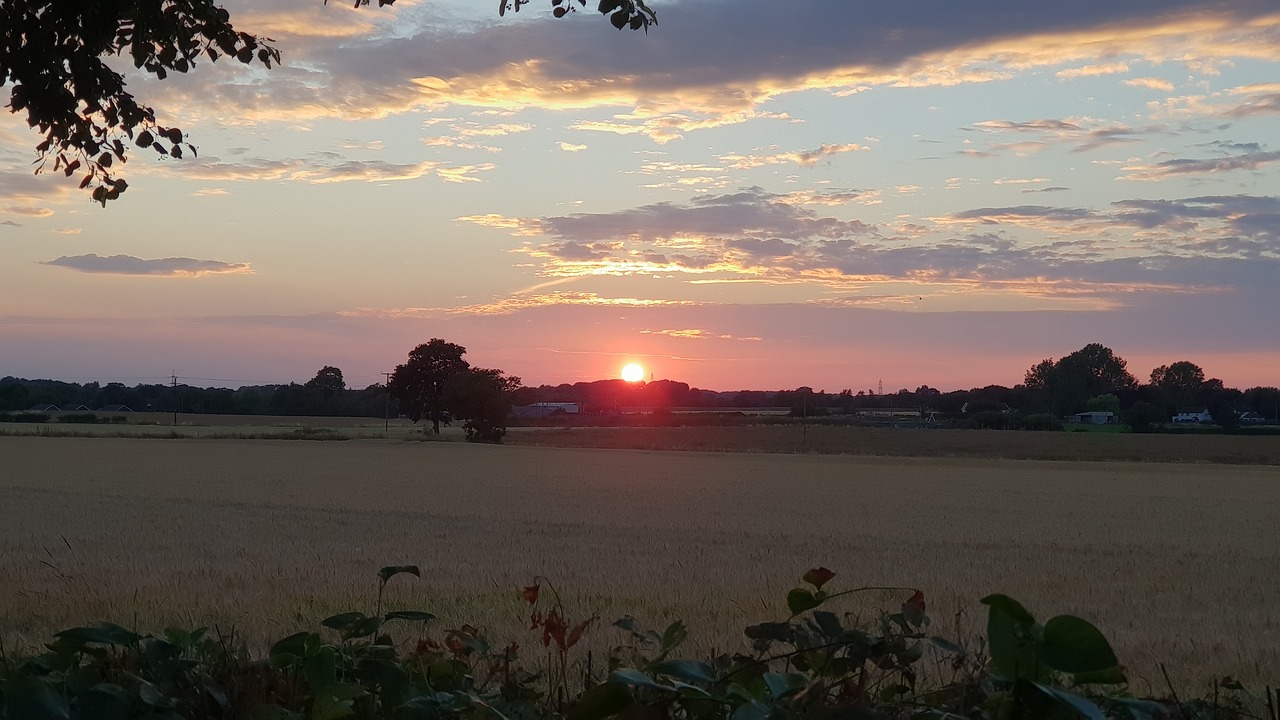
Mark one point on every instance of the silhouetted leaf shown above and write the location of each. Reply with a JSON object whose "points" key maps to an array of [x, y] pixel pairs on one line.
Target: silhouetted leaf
{"points": [[1082, 706], [1073, 645], [32, 698], [799, 600], [602, 701], [631, 676], [817, 577], [410, 615], [687, 670]]}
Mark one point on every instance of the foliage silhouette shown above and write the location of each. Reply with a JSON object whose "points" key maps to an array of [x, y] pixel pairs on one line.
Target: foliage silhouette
{"points": [[817, 663], [55, 55]]}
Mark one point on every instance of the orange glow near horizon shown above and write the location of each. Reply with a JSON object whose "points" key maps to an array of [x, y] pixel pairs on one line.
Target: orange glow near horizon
{"points": [[632, 372]]}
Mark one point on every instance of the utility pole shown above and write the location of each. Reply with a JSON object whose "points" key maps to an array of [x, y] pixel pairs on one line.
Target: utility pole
{"points": [[174, 384], [386, 404]]}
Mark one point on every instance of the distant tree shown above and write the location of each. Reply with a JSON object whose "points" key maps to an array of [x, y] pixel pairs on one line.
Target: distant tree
{"points": [[1181, 384], [57, 56], [1180, 375], [802, 401], [1066, 385], [1142, 415], [1040, 375], [1104, 403], [481, 398], [1106, 371], [419, 383], [328, 382], [1222, 404], [1263, 400]]}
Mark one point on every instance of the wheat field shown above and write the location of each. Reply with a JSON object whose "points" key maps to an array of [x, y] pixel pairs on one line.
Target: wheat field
{"points": [[1175, 562]]}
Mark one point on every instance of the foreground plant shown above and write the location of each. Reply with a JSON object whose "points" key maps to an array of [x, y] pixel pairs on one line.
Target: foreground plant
{"points": [[817, 663]]}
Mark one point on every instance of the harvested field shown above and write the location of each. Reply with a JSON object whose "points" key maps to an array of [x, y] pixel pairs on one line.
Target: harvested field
{"points": [[1174, 562], [950, 443]]}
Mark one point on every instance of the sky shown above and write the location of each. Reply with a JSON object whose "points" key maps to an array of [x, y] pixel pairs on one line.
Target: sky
{"points": [[753, 194]]}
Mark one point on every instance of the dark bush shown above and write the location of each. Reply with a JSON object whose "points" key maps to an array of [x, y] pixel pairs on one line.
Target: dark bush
{"points": [[1041, 421], [24, 417], [82, 418]]}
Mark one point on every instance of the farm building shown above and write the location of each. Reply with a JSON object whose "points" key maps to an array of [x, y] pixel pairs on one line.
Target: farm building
{"points": [[545, 409], [44, 409], [1198, 415], [115, 408], [1094, 417]]}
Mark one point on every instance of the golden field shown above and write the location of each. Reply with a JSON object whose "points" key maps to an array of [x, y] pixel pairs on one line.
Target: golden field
{"points": [[1175, 562], [1088, 442]]}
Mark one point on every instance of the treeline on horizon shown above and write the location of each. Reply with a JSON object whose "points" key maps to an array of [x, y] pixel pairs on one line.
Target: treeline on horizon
{"points": [[1092, 378]]}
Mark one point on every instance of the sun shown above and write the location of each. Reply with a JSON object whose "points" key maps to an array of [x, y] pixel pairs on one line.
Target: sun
{"points": [[632, 372]]}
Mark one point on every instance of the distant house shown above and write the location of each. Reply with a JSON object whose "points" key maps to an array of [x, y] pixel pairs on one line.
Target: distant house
{"points": [[545, 409], [77, 408], [44, 409], [115, 408], [1196, 415], [1094, 417], [1251, 418]]}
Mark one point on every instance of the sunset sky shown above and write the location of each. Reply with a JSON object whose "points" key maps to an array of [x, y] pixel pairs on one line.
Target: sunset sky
{"points": [[752, 195]]}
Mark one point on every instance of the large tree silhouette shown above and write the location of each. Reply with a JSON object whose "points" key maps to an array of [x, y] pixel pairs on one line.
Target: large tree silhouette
{"points": [[419, 383], [1067, 384]]}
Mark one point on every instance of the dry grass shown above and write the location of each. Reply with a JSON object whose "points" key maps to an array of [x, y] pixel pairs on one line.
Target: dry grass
{"points": [[846, 440], [1174, 562]]}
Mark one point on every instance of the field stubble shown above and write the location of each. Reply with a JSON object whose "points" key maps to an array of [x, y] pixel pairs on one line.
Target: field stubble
{"points": [[1174, 562]]}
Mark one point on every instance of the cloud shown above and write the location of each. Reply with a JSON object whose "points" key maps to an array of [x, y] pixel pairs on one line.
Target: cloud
{"points": [[570, 147], [1019, 181], [510, 305], [27, 211], [806, 158], [319, 169], [1185, 166], [675, 91], [11, 223], [697, 334], [1093, 70], [464, 133], [1074, 254], [463, 173], [161, 267], [1085, 134], [1149, 83], [69, 231], [210, 192]]}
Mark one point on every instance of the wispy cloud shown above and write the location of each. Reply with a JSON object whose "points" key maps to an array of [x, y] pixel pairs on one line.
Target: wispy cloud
{"points": [[1150, 83], [1084, 134], [805, 158], [698, 334], [161, 267], [463, 173], [27, 211], [1187, 166], [1093, 70], [510, 305]]}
